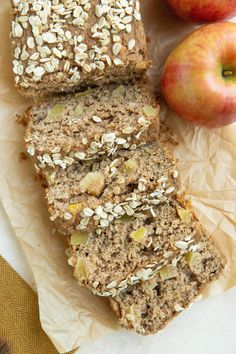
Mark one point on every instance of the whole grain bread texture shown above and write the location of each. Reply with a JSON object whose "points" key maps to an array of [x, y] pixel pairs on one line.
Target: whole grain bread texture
{"points": [[61, 46], [90, 195], [148, 306], [85, 126], [135, 248]]}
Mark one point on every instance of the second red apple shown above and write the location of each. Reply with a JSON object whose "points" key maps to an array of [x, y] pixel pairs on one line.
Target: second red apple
{"points": [[203, 11]]}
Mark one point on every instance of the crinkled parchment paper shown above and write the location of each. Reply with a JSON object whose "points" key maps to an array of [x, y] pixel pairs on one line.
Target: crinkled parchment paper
{"points": [[71, 315]]}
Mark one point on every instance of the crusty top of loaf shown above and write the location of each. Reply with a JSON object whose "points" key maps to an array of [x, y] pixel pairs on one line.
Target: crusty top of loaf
{"points": [[69, 42]]}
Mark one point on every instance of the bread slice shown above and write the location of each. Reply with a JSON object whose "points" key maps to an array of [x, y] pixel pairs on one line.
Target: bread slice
{"points": [[148, 306], [67, 129], [134, 249], [90, 195], [61, 46]]}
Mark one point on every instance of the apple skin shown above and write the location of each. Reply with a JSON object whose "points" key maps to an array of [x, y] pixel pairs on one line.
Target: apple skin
{"points": [[199, 76], [203, 11]]}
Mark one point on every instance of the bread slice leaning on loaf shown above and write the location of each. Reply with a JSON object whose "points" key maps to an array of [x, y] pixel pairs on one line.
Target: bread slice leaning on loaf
{"points": [[85, 126], [89, 196], [148, 306], [134, 249]]}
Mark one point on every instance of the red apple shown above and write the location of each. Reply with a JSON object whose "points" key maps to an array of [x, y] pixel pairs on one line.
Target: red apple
{"points": [[203, 10], [199, 76]]}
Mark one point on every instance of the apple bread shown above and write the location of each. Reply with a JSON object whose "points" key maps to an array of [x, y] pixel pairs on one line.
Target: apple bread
{"points": [[148, 306], [90, 195], [84, 126], [134, 249], [61, 46]]}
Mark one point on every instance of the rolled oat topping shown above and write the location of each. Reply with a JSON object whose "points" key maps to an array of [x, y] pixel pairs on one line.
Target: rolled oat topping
{"points": [[71, 39]]}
